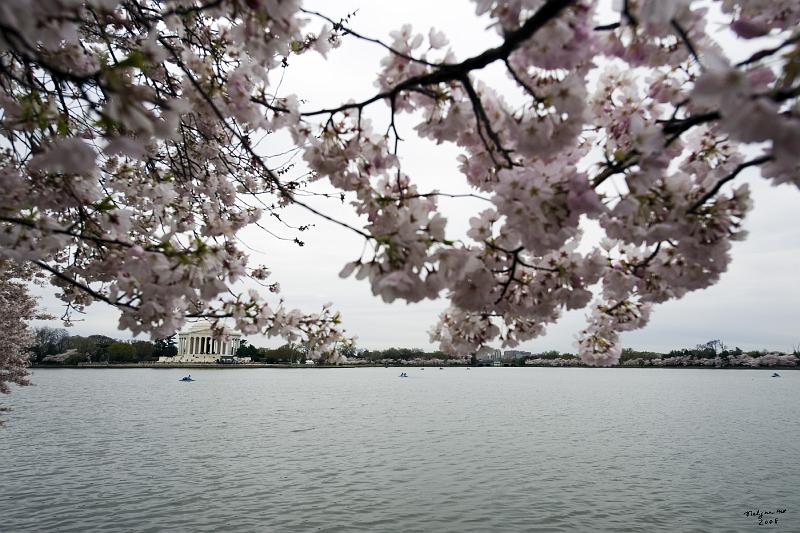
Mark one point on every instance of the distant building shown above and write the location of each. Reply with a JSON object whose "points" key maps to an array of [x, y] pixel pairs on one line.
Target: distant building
{"points": [[489, 354], [513, 355], [202, 344]]}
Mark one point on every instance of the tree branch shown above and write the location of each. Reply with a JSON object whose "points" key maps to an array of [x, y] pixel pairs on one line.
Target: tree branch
{"points": [[482, 118], [340, 26], [685, 37], [455, 72], [714, 190]]}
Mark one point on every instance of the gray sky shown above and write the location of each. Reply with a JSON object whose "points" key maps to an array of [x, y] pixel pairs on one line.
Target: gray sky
{"points": [[754, 306]]}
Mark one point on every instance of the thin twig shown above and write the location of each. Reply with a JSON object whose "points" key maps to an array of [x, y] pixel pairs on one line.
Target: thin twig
{"points": [[715, 189], [685, 37], [454, 72]]}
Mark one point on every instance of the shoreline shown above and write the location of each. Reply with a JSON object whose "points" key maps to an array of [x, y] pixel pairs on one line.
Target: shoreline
{"points": [[214, 366]]}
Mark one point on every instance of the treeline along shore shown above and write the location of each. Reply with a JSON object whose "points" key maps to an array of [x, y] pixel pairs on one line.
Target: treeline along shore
{"points": [[56, 348]]}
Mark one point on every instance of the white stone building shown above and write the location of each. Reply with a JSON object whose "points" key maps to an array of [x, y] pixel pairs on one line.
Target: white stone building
{"points": [[200, 344]]}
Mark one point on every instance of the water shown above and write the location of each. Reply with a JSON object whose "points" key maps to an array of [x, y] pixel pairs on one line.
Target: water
{"points": [[489, 449]]}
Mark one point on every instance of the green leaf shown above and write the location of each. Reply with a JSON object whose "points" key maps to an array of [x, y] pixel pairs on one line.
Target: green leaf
{"points": [[136, 59], [106, 204], [62, 125]]}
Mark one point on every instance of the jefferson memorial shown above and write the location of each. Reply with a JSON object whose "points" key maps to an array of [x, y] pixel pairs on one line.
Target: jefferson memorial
{"points": [[201, 344]]}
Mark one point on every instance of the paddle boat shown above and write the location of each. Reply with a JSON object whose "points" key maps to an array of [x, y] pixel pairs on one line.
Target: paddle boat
{"points": [[775, 375], [187, 378], [403, 375]]}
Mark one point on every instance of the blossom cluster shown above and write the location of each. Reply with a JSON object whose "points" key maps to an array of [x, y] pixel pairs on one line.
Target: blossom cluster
{"points": [[128, 166], [17, 307], [767, 360]]}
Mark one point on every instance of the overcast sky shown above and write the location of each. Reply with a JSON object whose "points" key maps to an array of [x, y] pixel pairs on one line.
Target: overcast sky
{"points": [[754, 306]]}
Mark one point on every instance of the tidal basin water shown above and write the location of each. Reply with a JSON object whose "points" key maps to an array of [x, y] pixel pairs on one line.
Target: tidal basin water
{"points": [[486, 449]]}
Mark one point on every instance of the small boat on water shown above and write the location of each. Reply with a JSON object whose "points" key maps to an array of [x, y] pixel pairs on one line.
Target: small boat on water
{"points": [[403, 375], [775, 375], [187, 378]]}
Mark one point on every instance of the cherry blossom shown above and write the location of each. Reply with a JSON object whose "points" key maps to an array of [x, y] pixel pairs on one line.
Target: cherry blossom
{"points": [[131, 159], [17, 307]]}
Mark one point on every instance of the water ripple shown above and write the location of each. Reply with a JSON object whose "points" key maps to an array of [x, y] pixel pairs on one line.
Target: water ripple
{"points": [[546, 450]]}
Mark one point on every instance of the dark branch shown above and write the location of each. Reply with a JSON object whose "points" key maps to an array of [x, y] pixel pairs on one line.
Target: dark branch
{"points": [[482, 118], [526, 87], [82, 286], [769, 51], [676, 127], [455, 72], [685, 37], [608, 27], [714, 190], [511, 271], [628, 161], [626, 13], [340, 26]]}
